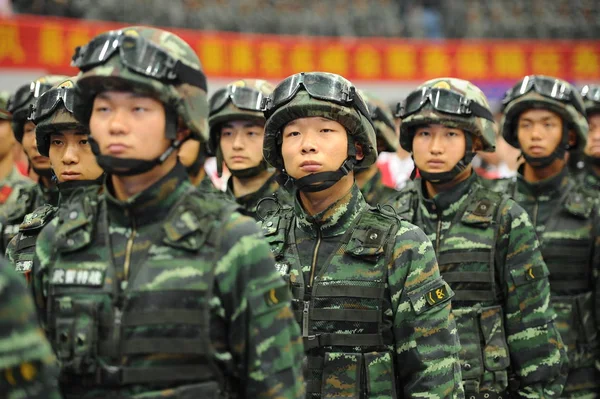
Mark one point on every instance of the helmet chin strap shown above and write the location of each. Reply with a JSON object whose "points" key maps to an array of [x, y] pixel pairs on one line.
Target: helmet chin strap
{"points": [[45, 172], [249, 172], [591, 161], [446, 177], [558, 153]]}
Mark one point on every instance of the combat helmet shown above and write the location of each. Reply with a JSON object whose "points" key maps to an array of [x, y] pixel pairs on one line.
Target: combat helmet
{"points": [[239, 100], [453, 103], [152, 62], [310, 94], [4, 113], [20, 103], [591, 99], [383, 120], [545, 92]]}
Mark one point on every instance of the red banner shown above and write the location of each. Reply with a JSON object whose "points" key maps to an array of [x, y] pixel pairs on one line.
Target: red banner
{"points": [[48, 43]]}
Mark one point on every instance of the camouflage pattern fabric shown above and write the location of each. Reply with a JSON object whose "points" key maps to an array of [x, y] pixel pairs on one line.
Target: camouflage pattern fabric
{"points": [[385, 133], [4, 97], [375, 192], [249, 202], [488, 252], [28, 367], [9, 186], [361, 282], [26, 200], [567, 224], [169, 293], [590, 182]]}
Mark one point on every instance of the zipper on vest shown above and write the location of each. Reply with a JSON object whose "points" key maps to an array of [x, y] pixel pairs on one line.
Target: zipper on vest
{"points": [[313, 266], [305, 318], [437, 235], [129, 247]]}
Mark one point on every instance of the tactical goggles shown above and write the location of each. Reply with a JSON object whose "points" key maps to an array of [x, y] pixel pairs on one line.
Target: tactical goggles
{"points": [[378, 115], [242, 97], [47, 103], [442, 100], [25, 94], [591, 92], [139, 55], [547, 87], [321, 86]]}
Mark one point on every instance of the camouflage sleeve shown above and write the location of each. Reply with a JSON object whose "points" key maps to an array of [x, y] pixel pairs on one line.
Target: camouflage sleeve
{"points": [[263, 334], [536, 349], [425, 332], [39, 270], [27, 365]]}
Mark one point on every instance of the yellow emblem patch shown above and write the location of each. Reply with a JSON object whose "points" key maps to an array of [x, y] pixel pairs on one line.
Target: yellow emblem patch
{"points": [[238, 83], [442, 85], [436, 295], [131, 32], [68, 84]]}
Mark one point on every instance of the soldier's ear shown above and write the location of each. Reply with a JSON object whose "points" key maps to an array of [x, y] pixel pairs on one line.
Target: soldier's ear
{"points": [[359, 151], [477, 144], [572, 139]]}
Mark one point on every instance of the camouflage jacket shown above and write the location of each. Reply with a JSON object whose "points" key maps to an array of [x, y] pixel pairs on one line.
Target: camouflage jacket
{"points": [[362, 283], [590, 181], [10, 185], [489, 254], [249, 202], [567, 224], [166, 295], [26, 201], [375, 192], [28, 367]]}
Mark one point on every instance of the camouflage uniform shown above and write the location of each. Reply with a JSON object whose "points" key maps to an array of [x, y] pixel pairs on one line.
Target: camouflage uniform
{"points": [[589, 176], [362, 282], [27, 364], [568, 226], [224, 109], [488, 253], [168, 294]]}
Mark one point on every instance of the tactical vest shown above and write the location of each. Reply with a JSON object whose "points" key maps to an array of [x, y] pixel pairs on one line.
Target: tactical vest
{"points": [[466, 258], [24, 204], [346, 336], [150, 331], [567, 245]]}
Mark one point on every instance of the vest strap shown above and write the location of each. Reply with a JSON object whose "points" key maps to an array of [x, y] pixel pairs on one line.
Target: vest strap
{"points": [[462, 257], [319, 340], [368, 316], [164, 316], [139, 346], [467, 277], [473, 295], [348, 291]]}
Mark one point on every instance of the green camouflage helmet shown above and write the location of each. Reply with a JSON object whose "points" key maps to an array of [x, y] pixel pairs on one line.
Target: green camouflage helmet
{"points": [[57, 120], [302, 105], [4, 113], [23, 99], [474, 125], [228, 111], [187, 100], [574, 119], [591, 99], [379, 111]]}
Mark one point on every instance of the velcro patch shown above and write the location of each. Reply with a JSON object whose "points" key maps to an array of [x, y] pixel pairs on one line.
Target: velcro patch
{"points": [[80, 277], [436, 295], [277, 295], [282, 268], [24, 266], [534, 272]]}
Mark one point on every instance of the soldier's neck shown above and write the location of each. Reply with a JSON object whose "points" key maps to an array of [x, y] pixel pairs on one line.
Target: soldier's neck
{"points": [[434, 189], [317, 202], [126, 187], [245, 186], [6, 165], [364, 176], [533, 175]]}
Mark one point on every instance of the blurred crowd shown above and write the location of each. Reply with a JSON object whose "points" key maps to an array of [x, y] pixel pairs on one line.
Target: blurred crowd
{"points": [[564, 19]]}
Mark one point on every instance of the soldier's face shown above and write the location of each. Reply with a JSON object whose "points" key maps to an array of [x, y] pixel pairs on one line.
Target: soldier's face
{"points": [[437, 148], [241, 144], [72, 158], [30, 147], [539, 132], [128, 125], [313, 145], [592, 147], [7, 138]]}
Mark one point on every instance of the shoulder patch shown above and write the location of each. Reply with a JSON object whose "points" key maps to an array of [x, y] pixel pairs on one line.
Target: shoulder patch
{"points": [[38, 218], [78, 277], [579, 204], [437, 295], [277, 295]]}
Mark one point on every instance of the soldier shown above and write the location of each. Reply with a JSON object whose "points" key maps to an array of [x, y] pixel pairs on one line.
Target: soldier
{"points": [[374, 311], [591, 174], [28, 367], [151, 290], [369, 180], [32, 196], [236, 138], [545, 117], [485, 245], [10, 178], [65, 142]]}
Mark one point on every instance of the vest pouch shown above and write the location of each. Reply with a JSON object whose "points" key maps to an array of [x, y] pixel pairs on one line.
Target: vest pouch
{"points": [[496, 358], [206, 390], [470, 355], [380, 375], [566, 310], [588, 335], [342, 376]]}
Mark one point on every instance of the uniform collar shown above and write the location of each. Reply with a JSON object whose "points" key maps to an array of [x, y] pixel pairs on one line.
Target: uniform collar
{"points": [[336, 219], [447, 202], [551, 187], [249, 201]]}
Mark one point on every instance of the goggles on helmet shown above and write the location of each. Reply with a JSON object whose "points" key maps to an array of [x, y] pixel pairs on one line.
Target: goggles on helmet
{"points": [[318, 85], [378, 115], [547, 87], [139, 55], [591, 93], [242, 97], [47, 103], [442, 100], [25, 94]]}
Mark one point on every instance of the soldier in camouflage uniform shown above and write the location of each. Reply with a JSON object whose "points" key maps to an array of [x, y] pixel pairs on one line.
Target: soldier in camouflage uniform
{"points": [[150, 290], [485, 245], [10, 178], [236, 136], [374, 311], [28, 367], [590, 175], [30, 197], [192, 155], [545, 117], [65, 142], [369, 179]]}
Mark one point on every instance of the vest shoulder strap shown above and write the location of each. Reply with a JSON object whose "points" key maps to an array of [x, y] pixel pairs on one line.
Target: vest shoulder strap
{"points": [[37, 219]]}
